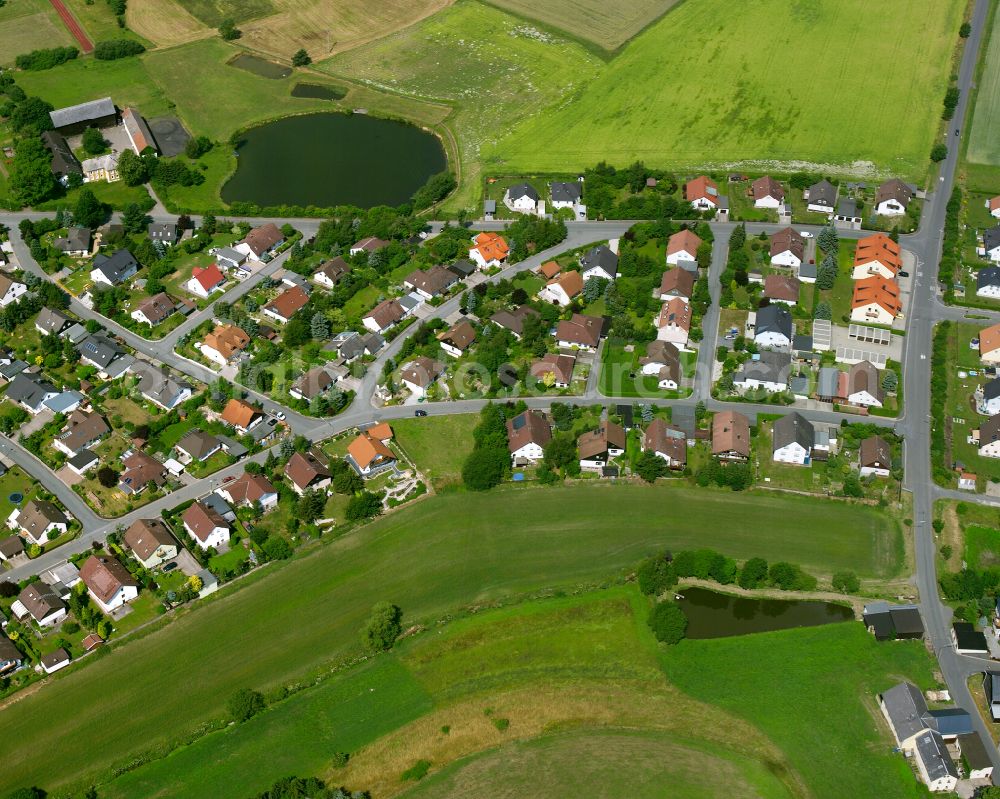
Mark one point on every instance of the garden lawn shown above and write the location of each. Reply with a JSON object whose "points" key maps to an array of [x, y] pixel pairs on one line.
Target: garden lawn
{"points": [[982, 546], [616, 365], [983, 146], [785, 84], [438, 445]]}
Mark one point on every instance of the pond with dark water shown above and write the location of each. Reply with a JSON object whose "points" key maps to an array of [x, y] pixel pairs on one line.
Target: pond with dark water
{"points": [[261, 66], [316, 91], [714, 615], [332, 159]]}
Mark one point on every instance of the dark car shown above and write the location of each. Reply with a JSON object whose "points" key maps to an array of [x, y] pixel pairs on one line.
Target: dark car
{"points": [[903, 274], [420, 412], [170, 566]]}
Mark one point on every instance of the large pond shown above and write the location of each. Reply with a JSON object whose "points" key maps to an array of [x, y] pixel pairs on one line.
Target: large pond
{"points": [[714, 615], [333, 159]]}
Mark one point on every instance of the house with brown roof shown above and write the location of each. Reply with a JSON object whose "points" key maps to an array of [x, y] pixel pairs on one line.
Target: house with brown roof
{"points": [[788, 248], [206, 526], [283, 307], [666, 442], [313, 383], [153, 310], [458, 339], [308, 471], [876, 300], [988, 439], [598, 447], [420, 374], [41, 603], [767, 193], [876, 255], [893, 197], [562, 290], [582, 332], [549, 270], [10, 547], [108, 582], [224, 344], [555, 368], [261, 241], [150, 542], [383, 316], [331, 272], [731, 436], [250, 490], [197, 445], [662, 361], [781, 288], [674, 321], [875, 457], [864, 386], [241, 415], [369, 453], [677, 282], [489, 250], [431, 283], [39, 521], [368, 244], [11, 658], [141, 470], [514, 320], [527, 435], [682, 247], [703, 193], [54, 661], [137, 131], [82, 430]]}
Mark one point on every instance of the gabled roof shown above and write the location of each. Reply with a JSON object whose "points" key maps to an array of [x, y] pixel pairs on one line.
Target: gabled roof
{"points": [[30, 391], [878, 290], [145, 536], [141, 470], [421, 371], [51, 321], [769, 367], [105, 576], [239, 413], [774, 318], [83, 112], [875, 452], [863, 376], [157, 384], [514, 320], [434, 281], [157, 308], [905, 707], [661, 437], [878, 247], [596, 442], [137, 131], [77, 239], [581, 329], [491, 246], [370, 244], [788, 240], [988, 276], [561, 366], [894, 189], [208, 277], [460, 336], [767, 186], [370, 446], [675, 312], [566, 192], [792, 428], [335, 269], [600, 257], [822, 192], [570, 282], [201, 520], [83, 429], [386, 313], [730, 433], [249, 488], [702, 187], [549, 269], [305, 468], [683, 241], [677, 282], [64, 162], [263, 238], [519, 190], [288, 303], [989, 430], [198, 444], [98, 349], [227, 340], [313, 383], [781, 287], [991, 238], [116, 267], [40, 600]]}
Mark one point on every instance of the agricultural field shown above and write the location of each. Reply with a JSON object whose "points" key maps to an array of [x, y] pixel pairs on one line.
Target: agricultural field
{"points": [[99, 22], [462, 549], [606, 25], [437, 445], [829, 108], [983, 149], [164, 22], [27, 25], [213, 12]]}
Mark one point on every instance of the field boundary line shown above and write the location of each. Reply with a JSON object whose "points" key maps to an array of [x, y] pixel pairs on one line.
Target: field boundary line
{"points": [[75, 28]]}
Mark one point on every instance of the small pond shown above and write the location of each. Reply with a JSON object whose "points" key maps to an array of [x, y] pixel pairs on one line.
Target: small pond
{"points": [[332, 159], [260, 66], [714, 615], [315, 91]]}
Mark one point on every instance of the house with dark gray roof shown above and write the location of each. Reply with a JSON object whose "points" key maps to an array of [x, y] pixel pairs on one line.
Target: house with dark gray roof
{"points": [[522, 197], [158, 386], [95, 113], [773, 326], [30, 392], [793, 439], [76, 242], [934, 763], [164, 232], [890, 622], [991, 243], [600, 261], [64, 162], [98, 350], [769, 371], [50, 323], [821, 196], [115, 270], [988, 282], [566, 195], [11, 368]]}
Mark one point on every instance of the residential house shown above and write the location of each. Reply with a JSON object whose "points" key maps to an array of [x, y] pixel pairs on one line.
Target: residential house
{"points": [[781, 288], [205, 281], [150, 542], [159, 387], [876, 301], [967, 639], [662, 360], [975, 756], [890, 622], [821, 197], [420, 374], [682, 247], [876, 255], [196, 445], [987, 396], [848, 214], [770, 370], [522, 197], [224, 343], [432, 283], [666, 442], [767, 193], [934, 763], [989, 437], [383, 316], [330, 273], [788, 248], [989, 345], [992, 205], [103, 167], [527, 435], [82, 430], [514, 320], [99, 351], [731, 436], [108, 582], [64, 162], [488, 250], [76, 243], [793, 438], [313, 383], [549, 270], [566, 195], [11, 367], [41, 603], [905, 708], [703, 193], [250, 490], [164, 232], [677, 282], [260, 242], [893, 197], [232, 260], [114, 271], [153, 310], [582, 332], [991, 243], [141, 471], [139, 135], [283, 307], [65, 402], [39, 521], [10, 548], [562, 290], [30, 392], [206, 526], [560, 367], [368, 244], [369, 453], [11, 658], [308, 471], [864, 386], [600, 261], [53, 661], [773, 326], [50, 323], [351, 346], [874, 457], [598, 447], [241, 415], [673, 323], [966, 481], [988, 282], [457, 340]]}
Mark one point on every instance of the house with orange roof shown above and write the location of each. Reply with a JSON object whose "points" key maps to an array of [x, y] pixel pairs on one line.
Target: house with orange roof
{"points": [[549, 270], [682, 247], [993, 206], [489, 249], [876, 300], [241, 415], [562, 290], [224, 343], [283, 307], [876, 255], [369, 453], [674, 322], [702, 193], [989, 345], [205, 280]]}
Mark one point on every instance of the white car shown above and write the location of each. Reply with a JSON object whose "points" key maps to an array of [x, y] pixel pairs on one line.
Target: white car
{"points": [[806, 234], [280, 416]]}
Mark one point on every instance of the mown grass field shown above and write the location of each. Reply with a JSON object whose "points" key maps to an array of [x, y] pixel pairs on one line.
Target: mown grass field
{"points": [[788, 83], [99, 22], [983, 146], [27, 25], [213, 12], [982, 546], [459, 549], [438, 445]]}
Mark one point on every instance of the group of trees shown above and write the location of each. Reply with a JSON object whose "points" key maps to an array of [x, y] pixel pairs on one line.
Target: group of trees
{"points": [[434, 190], [658, 574], [45, 58], [737, 476], [228, 30], [113, 49], [301, 788], [489, 462], [951, 246], [383, 627], [138, 169], [530, 234], [603, 189]]}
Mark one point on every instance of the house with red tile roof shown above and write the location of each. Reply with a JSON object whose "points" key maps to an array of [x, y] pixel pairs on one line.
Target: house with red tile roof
{"points": [[205, 280], [488, 250]]}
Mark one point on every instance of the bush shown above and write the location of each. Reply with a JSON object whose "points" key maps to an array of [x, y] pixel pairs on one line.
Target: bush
{"points": [[277, 548], [117, 48], [417, 771], [365, 505], [939, 152], [753, 574], [229, 31], [46, 58], [846, 582], [668, 622], [301, 58], [383, 627], [655, 575], [339, 759], [244, 704], [789, 577]]}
